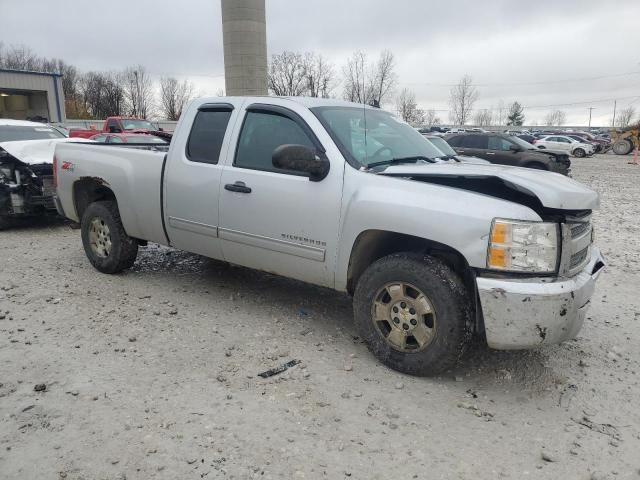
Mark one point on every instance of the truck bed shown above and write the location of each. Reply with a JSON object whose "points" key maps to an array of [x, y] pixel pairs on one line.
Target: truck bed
{"points": [[133, 173]]}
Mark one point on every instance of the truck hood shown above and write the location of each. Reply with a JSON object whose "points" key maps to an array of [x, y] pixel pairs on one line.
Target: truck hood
{"points": [[552, 190], [33, 152]]}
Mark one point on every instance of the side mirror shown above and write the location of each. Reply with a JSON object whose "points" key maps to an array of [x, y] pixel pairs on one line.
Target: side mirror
{"points": [[301, 159]]}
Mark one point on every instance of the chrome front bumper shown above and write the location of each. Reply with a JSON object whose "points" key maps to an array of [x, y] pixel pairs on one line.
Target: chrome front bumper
{"points": [[526, 313]]}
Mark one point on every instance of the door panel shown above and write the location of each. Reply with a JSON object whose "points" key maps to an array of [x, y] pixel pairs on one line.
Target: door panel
{"points": [[286, 224], [192, 179]]}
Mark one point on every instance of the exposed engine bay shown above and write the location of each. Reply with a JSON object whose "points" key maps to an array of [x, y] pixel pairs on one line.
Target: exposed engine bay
{"points": [[25, 189]]}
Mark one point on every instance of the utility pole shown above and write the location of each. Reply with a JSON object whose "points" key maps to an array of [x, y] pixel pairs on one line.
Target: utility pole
{"points": [[590, 110], [613, 122]]}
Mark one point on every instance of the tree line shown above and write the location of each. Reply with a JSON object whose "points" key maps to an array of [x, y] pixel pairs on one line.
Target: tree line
{"points": [[99, 94], [132, 91]]}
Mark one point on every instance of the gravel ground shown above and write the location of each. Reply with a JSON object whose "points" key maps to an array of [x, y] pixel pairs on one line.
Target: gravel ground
{"points": [[153, 374]]}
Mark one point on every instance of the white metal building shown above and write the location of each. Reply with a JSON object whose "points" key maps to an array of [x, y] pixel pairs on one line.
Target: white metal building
{"points": [[29, 95]]}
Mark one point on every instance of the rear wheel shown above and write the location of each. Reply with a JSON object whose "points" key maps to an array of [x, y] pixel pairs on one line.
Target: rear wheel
{"points": [[579, 152], [414, 313], [622, 147], [106, 244]]}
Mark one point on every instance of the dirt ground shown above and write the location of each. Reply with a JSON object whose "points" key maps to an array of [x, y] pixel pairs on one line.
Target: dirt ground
{"points": [[153, 373]]}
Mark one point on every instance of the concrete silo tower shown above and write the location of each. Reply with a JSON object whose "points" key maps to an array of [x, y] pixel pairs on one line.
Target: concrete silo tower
{"points": [[244, 34]]}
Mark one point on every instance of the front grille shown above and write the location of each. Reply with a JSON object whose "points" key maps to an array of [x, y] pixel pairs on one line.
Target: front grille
{"points": [[578, 229], [578, 258], [576, 247]]}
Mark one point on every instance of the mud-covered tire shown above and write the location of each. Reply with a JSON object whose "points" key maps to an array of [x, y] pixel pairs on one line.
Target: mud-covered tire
{"points": [[452, 306], [622, 147], [123, 249]]}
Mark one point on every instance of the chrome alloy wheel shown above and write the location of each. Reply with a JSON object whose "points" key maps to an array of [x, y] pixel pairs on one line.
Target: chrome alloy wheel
{"points": [[404, 316], [100, 237]]}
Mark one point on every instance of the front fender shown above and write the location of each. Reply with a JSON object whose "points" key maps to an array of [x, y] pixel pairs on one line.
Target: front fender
{"points": [[456, 218]]}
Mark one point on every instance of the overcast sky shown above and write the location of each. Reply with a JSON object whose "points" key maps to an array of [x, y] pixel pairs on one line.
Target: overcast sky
{"points": [[541, 53]]}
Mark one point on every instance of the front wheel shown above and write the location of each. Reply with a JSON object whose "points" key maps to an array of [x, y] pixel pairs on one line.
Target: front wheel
{"points": [[579, 152], [106, 244], [414, 313]]}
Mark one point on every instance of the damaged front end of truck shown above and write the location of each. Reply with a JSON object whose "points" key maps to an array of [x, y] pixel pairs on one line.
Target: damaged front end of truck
{"points": [[26, 183]]}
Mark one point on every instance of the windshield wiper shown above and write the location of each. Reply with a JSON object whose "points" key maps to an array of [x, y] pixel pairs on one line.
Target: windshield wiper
{"points": [[398, 161]]}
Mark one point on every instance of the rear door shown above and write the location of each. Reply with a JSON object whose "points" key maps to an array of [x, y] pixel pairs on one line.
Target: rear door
{"points": [[475, 145], [192, 178], [276, 220]]}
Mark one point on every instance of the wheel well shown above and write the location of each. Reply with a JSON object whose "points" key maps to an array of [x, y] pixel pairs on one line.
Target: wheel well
{"points": [[537, 165], [372, 245], [89, 190]]}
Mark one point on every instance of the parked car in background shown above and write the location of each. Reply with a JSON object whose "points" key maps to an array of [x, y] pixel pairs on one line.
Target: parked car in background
{"points": [[449, 153], [432, 252], [26, 171], [600, 144], [527, 138], [139, 138], [508, 150], [122, 125], [567, 144]]}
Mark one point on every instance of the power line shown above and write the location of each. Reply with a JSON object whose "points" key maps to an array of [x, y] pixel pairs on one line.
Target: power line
{"points": [[547, 82]]}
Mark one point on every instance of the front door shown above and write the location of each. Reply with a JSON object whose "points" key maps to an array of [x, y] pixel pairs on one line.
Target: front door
{"points": [[193, 190], [502, 151], [274, 220]]}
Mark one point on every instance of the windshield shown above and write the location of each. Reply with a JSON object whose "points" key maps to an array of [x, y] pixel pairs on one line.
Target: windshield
{"points": [[521, 143], [442, 145], [381, 137], [11, 133], [136, 124]]}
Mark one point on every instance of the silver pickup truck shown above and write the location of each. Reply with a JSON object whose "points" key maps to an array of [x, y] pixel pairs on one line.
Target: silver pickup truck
{"points": [[351, 198]]}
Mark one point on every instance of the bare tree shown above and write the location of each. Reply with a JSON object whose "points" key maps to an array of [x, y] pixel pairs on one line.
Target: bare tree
{"points": [[384, 78], [407, 108], [500, 113], [625, 117], [461, 100], [138, 89], [356, 88], [319, 75], [174, 96], [555, 118], [101, 94], [431, 118], [287, 74], [20, 57], [483, 117]]}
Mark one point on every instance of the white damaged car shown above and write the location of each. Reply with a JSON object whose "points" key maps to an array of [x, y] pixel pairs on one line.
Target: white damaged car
{"points": [[26, 169]]}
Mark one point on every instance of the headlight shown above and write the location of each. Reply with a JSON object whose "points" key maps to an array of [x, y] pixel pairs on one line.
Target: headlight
{"points": [[516, 246]]}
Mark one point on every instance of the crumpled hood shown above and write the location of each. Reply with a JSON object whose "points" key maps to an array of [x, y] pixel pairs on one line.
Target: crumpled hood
{"points": [[552, 189], [33, 152]]}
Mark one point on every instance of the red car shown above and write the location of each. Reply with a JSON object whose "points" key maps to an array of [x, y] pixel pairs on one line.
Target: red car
{"points": [[122, 125], [138, 138]]}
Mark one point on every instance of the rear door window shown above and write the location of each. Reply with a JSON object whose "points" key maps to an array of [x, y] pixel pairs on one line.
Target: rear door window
{"points": [[475, 141], [207, 135]]}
